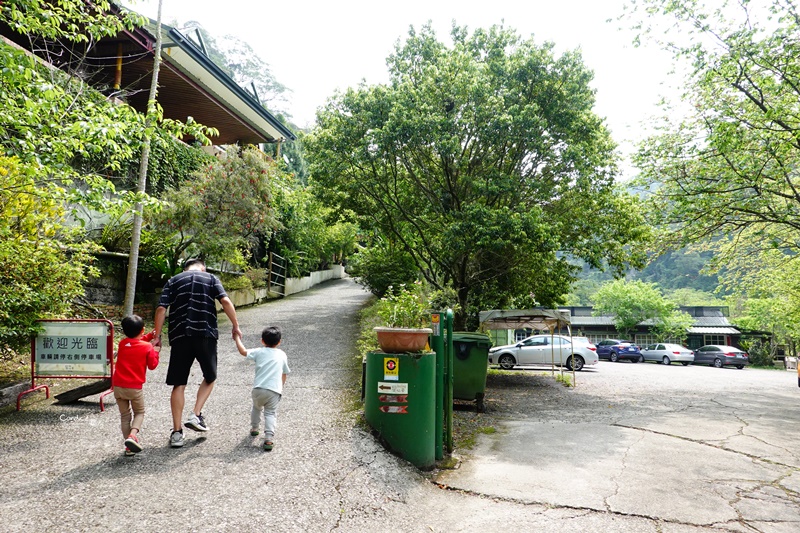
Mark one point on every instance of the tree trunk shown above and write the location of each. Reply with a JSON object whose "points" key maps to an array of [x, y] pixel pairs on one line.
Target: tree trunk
{"points": [[150, 119]]}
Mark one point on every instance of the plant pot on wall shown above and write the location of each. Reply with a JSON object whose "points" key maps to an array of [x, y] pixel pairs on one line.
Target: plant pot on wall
{"points": [[402, 340]]}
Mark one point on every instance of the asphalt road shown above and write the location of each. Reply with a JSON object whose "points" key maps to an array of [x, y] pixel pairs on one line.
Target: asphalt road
{"points": [[632, 448]]}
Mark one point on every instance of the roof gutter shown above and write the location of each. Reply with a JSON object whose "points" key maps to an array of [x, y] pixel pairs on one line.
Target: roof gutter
{"points": [[192, 50]]}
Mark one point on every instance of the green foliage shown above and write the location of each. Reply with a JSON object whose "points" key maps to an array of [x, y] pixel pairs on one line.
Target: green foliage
{"points": [[406, 307], [219, 215], [725, 174], [257, 277], [233, 282], [762, 353], [564, 379], [632, 302], [479, 162], [309, 238], [381, 265], [39, 278], [672, 325], [74, 20]]}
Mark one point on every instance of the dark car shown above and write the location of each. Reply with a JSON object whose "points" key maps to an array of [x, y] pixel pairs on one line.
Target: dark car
{"points": [[618, 350], [719, 356]]}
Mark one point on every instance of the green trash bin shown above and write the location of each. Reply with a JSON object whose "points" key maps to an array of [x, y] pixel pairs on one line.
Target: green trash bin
{"points": [[470, 364], [400, 405]]}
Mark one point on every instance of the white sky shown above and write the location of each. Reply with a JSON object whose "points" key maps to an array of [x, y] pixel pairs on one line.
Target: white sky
{"points": [[314, 47]]}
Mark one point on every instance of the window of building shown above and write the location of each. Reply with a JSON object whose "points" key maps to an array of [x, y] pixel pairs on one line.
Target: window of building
{"points": [[714, 339]]}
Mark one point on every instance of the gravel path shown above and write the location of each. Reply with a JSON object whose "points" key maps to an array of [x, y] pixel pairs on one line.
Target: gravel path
{"points": [[62, 467]]}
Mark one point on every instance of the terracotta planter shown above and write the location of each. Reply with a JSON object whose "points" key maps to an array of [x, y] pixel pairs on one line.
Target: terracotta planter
{"points": [[402, 340]]}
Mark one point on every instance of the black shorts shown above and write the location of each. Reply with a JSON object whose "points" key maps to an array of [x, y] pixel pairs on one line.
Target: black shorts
{"points": [[182, 355]]}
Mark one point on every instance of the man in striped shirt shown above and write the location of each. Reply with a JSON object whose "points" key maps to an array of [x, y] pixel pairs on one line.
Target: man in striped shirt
{"points": [[191, 299]]}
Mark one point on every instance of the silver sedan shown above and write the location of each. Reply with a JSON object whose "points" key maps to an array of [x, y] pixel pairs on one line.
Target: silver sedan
{"points": [[668, 353]]}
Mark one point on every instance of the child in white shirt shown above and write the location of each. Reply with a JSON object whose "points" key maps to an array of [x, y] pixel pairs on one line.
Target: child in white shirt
{"points": [[272, 367]]}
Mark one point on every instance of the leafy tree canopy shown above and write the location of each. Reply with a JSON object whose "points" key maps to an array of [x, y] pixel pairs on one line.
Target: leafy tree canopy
{"points": [[730, 166], [632, 302], [480, 161]]}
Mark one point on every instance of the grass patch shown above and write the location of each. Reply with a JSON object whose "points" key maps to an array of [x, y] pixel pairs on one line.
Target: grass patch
{"points": [[564, 379]]}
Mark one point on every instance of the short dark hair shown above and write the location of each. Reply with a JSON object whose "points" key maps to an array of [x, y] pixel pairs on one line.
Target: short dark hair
{"points": [[132, 325], [190, 262], [271, 335]]}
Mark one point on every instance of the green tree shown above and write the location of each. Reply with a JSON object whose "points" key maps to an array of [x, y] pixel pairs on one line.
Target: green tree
{"points": [[309, 238], [730, 165], [219, 215], [42, 268], [481, 161], [633, 302]]}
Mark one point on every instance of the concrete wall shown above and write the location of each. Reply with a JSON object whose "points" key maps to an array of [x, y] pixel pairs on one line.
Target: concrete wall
{"points": [[294, 285], [245, 297]]}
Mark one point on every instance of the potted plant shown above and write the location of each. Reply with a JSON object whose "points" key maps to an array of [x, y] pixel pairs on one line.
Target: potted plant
{"points": [[405, 316]]}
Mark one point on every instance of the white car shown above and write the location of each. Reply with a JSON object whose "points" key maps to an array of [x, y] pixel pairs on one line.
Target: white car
{"points": [[668, 353], [544, 350]]}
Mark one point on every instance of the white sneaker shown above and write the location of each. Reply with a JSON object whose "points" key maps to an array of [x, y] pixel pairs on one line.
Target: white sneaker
{"points": [[176, 439], [196, 422]]}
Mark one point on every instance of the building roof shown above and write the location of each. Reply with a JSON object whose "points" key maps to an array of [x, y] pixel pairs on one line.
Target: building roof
{"points": [[538, 318], [714, 331], [189, 83], [704, 320]]}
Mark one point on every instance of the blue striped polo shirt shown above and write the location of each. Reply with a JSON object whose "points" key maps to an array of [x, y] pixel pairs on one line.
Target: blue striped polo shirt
{"points": [[190, 297]]}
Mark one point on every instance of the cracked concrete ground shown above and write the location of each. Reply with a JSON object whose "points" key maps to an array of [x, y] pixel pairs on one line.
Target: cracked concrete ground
{"points": [[684, 448], [635, 448]]}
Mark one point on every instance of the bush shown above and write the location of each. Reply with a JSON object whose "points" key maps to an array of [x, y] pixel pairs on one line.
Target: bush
{"points": [[234, 282], [761, 353], [378, 268]]}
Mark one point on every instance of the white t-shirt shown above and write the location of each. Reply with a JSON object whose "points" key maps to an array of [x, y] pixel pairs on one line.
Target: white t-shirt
{"points": [[271, 364]]}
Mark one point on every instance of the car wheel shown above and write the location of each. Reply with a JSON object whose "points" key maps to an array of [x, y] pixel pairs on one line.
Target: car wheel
{"points": [[613, 357], [740, 367], [641, 359], [506, 361], [578, 362], [718, 363], [685, 364], [666, 360]]}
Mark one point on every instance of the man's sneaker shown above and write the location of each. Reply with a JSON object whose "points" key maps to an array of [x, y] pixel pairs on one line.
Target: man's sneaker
{"points": [[176, 440], [132, 444], [196, 423]]}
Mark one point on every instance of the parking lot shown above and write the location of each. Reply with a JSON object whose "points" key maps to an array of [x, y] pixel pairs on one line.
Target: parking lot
{"points": [[666, 448]]}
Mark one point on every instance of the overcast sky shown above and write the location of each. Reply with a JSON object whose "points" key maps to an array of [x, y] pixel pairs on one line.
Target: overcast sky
{"points": [[315, 47]]}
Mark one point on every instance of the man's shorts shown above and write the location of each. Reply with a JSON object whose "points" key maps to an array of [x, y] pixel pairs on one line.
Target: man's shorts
{"points": [[182, 355]]}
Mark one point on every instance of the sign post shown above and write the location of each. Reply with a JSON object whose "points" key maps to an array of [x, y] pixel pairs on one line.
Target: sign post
{"points": [[72, 349]]}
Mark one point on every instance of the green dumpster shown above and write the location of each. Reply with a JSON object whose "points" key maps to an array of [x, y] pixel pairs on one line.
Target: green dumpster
{"points": [[470, 363], [399, 403]]}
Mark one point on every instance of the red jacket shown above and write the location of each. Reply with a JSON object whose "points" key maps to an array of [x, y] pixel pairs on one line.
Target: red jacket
{"points": [[132, 357]]}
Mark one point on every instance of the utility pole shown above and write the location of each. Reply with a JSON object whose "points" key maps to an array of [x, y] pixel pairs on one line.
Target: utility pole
{"points": [[150, 121]]}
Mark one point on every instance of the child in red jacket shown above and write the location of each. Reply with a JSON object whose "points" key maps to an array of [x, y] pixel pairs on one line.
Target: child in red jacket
{"points": [[134, 355]]}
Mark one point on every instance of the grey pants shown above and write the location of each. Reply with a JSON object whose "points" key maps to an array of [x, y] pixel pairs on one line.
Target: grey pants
{"points": [[267, 401]]}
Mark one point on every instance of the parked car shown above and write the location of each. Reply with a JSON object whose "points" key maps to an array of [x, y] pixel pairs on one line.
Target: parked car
{"points": [[543, 350], [668, 353], [719, 356], [618, 350]]}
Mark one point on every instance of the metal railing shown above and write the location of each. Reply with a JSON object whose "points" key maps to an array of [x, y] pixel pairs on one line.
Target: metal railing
{"points": [[276, 274]]}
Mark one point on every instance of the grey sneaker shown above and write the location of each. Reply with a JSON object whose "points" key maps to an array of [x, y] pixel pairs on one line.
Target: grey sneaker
{"points": [[176, 439], [196, 422]]}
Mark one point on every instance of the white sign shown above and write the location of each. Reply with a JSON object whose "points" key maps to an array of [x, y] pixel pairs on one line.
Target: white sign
{"points": [[72, 348], [392, 388]]}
